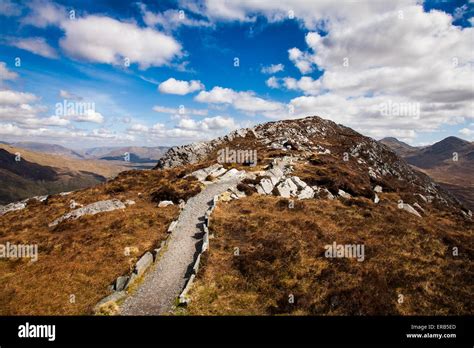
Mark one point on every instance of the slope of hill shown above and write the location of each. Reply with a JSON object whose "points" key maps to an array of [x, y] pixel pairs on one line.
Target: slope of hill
{"points": [[402, 149], [269, 234], [52, 149], [450, 162], [39, 174]]}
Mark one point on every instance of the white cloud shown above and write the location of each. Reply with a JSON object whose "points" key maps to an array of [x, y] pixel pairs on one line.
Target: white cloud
{"points": [[301, 60], [170, 19], [272, 69], [6, 74], [244, 101], [44, 13], [36, 45], [173, 86], [68, 95], [9, 97], [305, 84], [9, 8], [467, 132], [208, 123], [272, 82], [181, 110], [107, 40], [87, 116]]}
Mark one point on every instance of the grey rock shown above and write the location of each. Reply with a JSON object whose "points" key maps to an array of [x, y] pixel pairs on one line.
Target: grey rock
{"points": [[165, 203], [120, 283], [12, 207], [115, 297], [298, 182], [376, 199], [343, 194], [287, 188], [145, 261], [378, 189], [91, 209], [306, 193], [266, 185]]}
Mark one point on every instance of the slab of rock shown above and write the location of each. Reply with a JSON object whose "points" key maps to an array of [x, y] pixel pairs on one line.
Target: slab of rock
{"points": [[287, 188], [120, 283], [306, 193], [298, 182], [145, 261], [172, 226], [165, 203], [266, 185], [91, 209], [231, 174], [407, 207], [417, 206], [111, 299], [376, 199]]}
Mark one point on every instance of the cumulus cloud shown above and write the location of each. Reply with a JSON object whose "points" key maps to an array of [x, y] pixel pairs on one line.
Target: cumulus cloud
{"points": [[36, 45], [272, 69], [9, 97], [107, 40], [6, 74], [44, 13], [181, 110], [87, 116], [244, 101], [272, 82], [179, 87], [301, 60]]}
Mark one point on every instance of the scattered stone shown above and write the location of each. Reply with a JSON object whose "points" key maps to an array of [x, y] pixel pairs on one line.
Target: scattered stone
{"points": [[165, 204], [231, 174], [376, 199], [12, 207], [407, 207], [343, 194], [145, 261], [91, 209], [129, 202], [422, 197], [378, 189], [416, 205]]}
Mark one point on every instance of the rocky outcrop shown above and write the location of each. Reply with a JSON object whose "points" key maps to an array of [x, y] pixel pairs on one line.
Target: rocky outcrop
{"points": [[91, 209]]}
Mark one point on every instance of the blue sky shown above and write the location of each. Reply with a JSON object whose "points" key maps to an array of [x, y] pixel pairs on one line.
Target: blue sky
{"points": [[172, 72]]}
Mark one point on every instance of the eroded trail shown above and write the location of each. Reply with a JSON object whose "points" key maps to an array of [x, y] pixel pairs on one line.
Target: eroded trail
{"points": [[163, 283]]}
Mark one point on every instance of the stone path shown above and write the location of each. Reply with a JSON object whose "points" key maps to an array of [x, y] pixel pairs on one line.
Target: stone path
{"points": [[163, 283]]}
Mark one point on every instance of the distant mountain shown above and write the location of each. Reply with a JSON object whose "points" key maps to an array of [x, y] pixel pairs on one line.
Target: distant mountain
{"points": [[138, 154], [450, 162], [401, 148], [52, 149], [442, 152]]}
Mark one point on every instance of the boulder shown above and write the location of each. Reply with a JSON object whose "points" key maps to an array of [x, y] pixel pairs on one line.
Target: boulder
{"points": [[378, 189], [165, 203], [105, 305], [145, 261], [376, 199]]}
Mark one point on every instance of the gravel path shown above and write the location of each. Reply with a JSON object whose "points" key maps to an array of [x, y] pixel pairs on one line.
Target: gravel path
{"points": [[163, 283]]}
